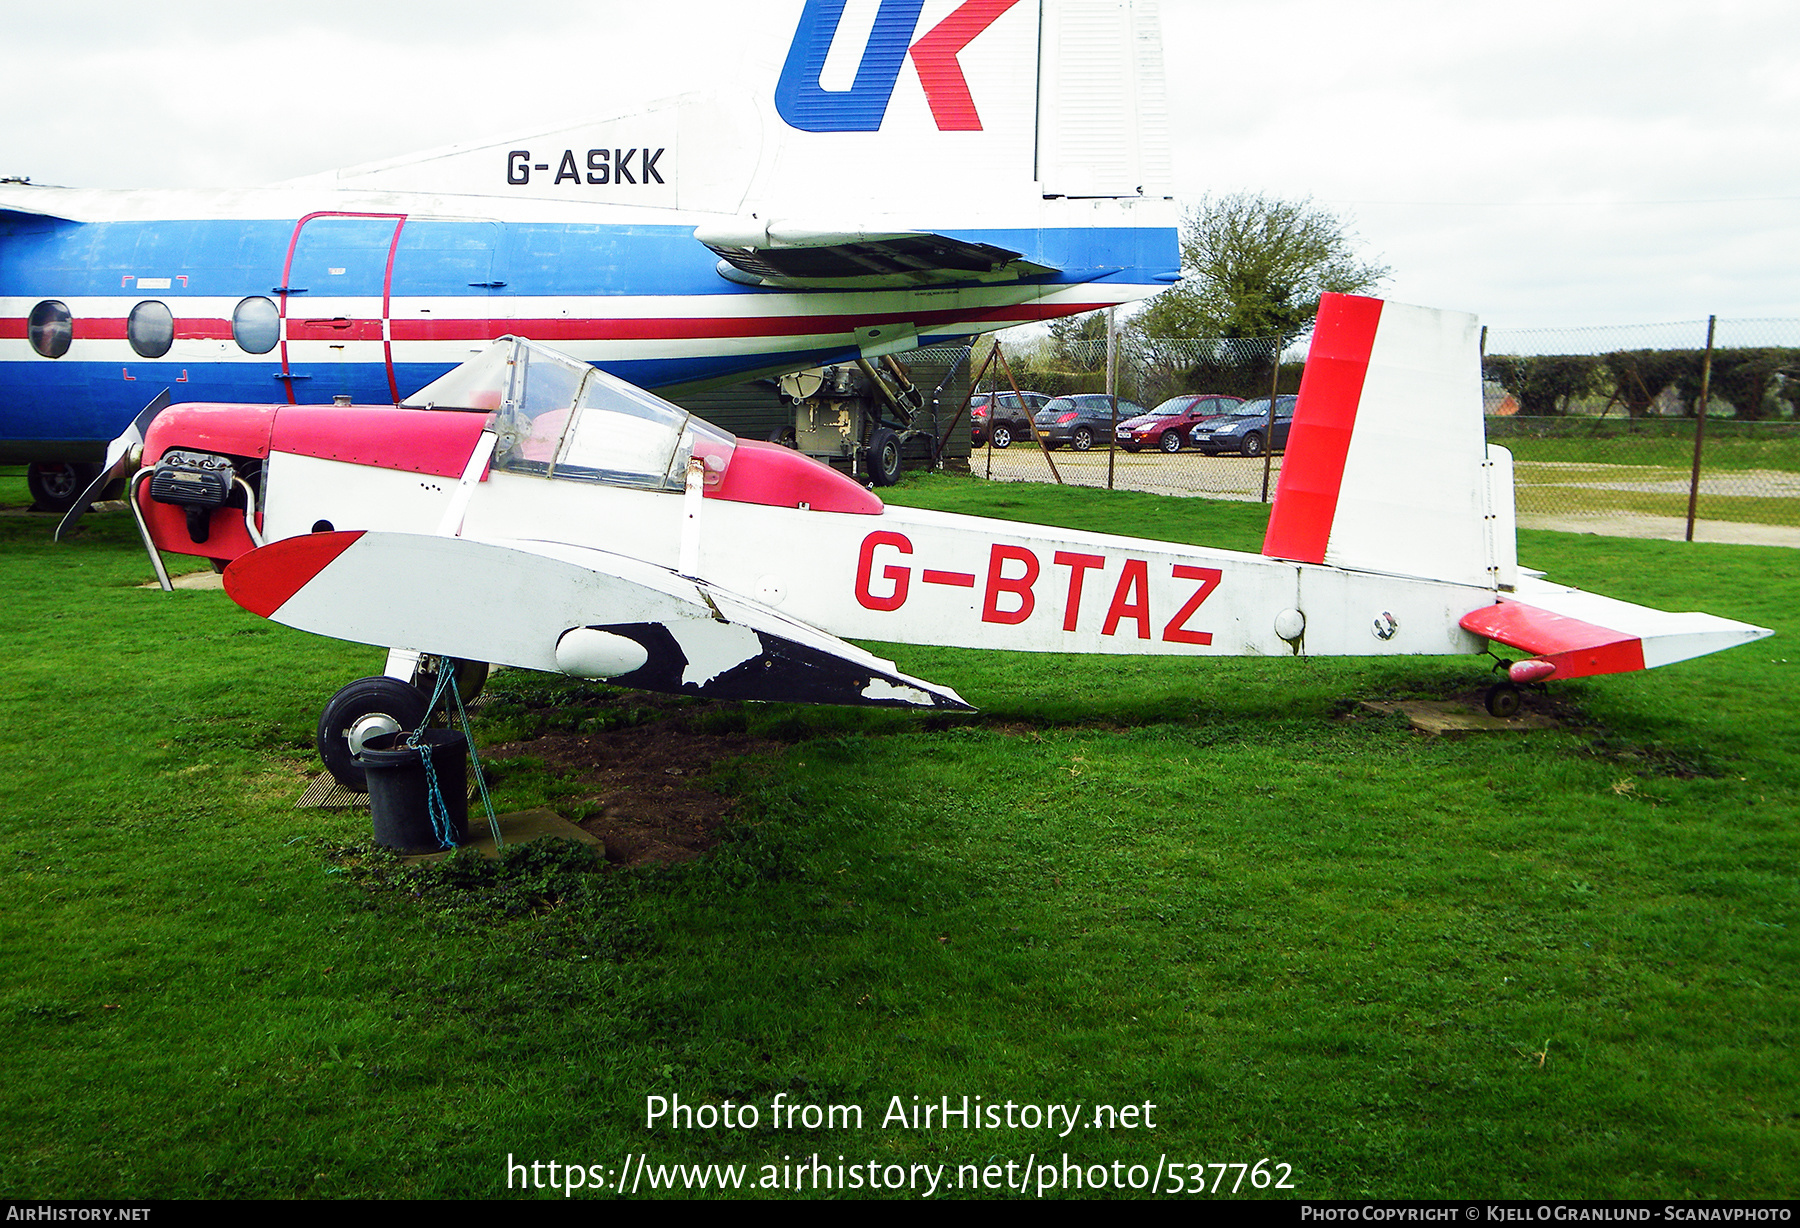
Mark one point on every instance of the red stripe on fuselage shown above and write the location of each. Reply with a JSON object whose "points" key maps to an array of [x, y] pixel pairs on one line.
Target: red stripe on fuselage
{"points": [[95, 328], [1324, 419], [263, 580], [563, 328], [658, 328]]}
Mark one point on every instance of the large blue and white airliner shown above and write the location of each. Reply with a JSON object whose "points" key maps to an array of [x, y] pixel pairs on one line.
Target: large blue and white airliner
{"points": [[919, 170]]}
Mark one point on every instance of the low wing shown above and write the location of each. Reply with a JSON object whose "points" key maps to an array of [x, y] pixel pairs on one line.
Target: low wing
{"points": [[562, 609], [1572, 634]]}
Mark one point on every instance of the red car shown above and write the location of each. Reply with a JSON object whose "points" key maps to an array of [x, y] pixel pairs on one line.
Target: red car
{"points": [[1166, 427], [1008, 417]]}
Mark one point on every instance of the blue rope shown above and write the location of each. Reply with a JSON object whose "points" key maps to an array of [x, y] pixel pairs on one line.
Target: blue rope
{"points": [[434, 803]]}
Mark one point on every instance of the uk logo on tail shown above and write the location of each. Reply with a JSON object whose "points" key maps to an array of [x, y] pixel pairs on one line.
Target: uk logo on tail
{"points": [[805, 102]]}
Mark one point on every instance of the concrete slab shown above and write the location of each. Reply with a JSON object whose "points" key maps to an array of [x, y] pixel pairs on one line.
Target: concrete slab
{"points": [[520, 827], [193, 579], [1453, 717]]}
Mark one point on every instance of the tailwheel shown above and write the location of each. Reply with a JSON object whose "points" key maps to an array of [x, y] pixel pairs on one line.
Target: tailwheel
{"points": [[1503, 700]]}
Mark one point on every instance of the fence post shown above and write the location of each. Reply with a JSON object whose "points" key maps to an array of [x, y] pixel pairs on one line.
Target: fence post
{"points": [[1269, 438], [1700, 424], [1112, 390]]}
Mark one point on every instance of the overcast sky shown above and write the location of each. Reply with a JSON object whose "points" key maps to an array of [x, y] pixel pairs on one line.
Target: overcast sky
{"points": [[1541, 162]]}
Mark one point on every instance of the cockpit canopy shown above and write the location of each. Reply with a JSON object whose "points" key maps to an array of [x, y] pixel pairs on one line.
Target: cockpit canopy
{"points": [[558, 417]]}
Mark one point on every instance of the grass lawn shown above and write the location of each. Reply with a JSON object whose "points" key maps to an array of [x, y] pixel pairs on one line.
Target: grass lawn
{"points": [[1556, 964], [1750, 471]]}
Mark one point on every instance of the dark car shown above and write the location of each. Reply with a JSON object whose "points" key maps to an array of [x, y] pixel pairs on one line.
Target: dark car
{"points": [[1166, 427], [1246, 429], [1081, 421], [1003, 414]]}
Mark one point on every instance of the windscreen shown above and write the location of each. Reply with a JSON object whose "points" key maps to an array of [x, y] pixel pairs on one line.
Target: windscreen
{"points": [[555, 416]]}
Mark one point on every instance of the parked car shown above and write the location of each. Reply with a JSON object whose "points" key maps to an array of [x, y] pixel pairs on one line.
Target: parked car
{"points": [[1245, 431], [1166, 427], [1082, 420], [1004, 415]]}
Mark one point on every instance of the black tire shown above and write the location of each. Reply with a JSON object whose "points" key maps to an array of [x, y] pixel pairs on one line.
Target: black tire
{"points": [[56, 486], [1002, 437], [400, 702], [1082, 440], [1170, 441], [883, 457], [1503, 700], [784, 436], [1252, 444]]}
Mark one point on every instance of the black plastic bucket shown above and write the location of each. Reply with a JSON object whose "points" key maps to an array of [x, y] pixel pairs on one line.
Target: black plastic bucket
{"points": [[400, 789]]}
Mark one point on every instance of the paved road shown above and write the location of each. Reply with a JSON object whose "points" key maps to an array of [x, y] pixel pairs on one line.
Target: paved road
{"points": [[1158, 473]]}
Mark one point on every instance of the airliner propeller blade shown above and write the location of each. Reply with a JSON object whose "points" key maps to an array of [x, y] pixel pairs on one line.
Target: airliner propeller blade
{"points": [[121, 455]]}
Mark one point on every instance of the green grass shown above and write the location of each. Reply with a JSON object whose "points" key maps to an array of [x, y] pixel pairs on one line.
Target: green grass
{"points": [[1568, 489], [1559, 964], [1729, 446]]}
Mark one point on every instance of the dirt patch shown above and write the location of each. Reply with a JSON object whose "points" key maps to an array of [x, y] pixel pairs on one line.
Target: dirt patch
{"points": [[642, 785]]}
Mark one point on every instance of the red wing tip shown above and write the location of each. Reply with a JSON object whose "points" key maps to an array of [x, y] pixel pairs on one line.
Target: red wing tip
{"points": [[263, 580]]}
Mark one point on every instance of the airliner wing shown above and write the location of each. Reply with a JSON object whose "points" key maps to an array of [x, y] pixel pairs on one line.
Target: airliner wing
{"points": [[13, 209]]}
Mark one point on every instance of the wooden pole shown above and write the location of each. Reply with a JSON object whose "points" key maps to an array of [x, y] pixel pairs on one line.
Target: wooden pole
{"points": [[1700, 424], [1030, 417]]}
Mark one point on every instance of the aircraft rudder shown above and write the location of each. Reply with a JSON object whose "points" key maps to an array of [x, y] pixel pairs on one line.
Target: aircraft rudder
{"points": [[1387, 468]]}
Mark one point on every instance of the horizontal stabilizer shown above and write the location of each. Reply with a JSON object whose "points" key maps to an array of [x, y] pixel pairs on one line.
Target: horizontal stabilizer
{"points": [[865, 261], [1583, 634], [623, 620], [13, 209]]}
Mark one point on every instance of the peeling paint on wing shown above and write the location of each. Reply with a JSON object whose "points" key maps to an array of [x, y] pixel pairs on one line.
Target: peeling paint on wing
{"points": [[880, 689], [713, 648]]}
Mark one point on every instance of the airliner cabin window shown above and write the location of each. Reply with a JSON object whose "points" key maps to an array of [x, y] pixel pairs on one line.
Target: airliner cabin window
{"points": [[150, 329], [51, 328], [256, 325]]}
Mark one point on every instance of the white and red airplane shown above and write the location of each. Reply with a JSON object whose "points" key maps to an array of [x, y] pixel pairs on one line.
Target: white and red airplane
{"points": [[916, 171], [532, 510]]}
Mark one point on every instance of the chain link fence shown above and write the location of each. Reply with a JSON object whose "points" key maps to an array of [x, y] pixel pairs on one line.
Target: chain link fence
{"points": [[1602, 422]]}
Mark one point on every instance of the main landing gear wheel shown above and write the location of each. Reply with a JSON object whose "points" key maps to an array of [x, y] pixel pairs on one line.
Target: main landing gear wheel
{"points": [[55, 487], [1503, 700], [365, 709], [884, 457]]}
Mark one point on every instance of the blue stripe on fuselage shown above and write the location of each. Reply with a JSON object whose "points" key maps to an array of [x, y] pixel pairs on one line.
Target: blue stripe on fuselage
{"points": [[69, 398], [442, 259]]}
